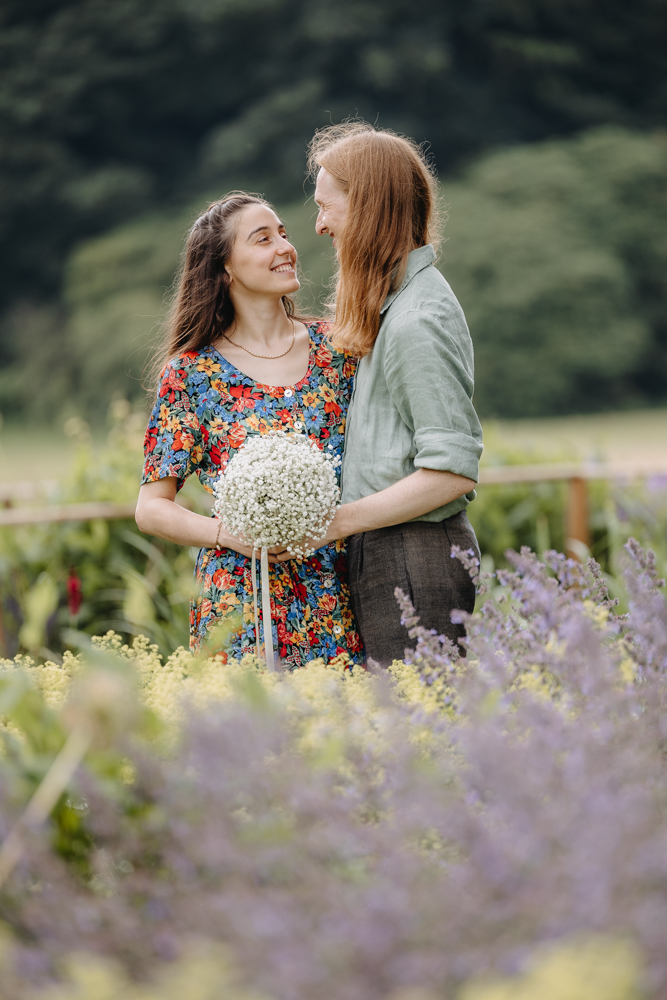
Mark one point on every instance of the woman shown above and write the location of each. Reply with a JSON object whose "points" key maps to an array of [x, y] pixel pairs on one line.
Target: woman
{"points": [[238, 361]]}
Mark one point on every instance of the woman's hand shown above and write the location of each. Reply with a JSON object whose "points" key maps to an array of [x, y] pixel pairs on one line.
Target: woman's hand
{"points": [[276, 554], [228, 541]]}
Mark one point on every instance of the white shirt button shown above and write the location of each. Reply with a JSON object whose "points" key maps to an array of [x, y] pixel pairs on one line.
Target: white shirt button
{"points": [[289, 392]]}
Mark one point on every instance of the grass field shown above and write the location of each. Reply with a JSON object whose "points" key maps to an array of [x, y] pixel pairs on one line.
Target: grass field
{"points": [[34, 454], [46, 453], [638, 434]]}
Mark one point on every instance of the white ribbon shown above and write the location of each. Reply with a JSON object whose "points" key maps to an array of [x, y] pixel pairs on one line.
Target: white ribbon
{"points": [[253, 574], [267, 620]]}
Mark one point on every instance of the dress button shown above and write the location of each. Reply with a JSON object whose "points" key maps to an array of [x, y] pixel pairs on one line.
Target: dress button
{"points": [[298, 425], [289, 392], [338, 629], [327, 581]]}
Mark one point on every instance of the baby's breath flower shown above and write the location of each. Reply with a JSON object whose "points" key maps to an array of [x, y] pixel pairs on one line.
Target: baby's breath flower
{"points": [[279, 489]]}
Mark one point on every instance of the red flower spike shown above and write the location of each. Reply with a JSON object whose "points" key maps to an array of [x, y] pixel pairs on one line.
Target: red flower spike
{"points": [[74, 593]]}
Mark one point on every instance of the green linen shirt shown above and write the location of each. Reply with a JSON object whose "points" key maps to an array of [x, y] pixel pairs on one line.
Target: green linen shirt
{"points": [[411, 405]]}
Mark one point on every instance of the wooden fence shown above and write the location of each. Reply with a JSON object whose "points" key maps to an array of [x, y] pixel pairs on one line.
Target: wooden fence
{"points": [[577, 475], [24, 503]]}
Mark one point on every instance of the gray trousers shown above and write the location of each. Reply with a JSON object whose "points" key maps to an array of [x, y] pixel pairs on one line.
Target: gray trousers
{"points": [[415, 557]]}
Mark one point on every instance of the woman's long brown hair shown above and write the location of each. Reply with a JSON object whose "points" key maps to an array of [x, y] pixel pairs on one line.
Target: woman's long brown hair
{"points": [[392, 210], [201, 308]]}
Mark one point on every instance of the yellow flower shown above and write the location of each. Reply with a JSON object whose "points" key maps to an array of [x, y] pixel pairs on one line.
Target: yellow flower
{"points": [[218, 426], [227, 600], [208, 365]]}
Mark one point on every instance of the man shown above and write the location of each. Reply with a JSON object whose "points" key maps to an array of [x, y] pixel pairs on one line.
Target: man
{"points": [[413, 439]]}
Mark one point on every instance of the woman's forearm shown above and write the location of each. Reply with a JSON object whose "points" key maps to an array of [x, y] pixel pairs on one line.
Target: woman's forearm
{"points": [[423, 491], [158, 514], [162, 517]]}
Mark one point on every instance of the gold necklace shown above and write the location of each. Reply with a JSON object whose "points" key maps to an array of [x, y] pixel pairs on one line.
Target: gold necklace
{"points": [[267, 357]]}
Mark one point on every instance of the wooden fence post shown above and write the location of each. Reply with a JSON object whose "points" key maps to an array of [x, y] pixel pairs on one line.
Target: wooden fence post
{"points": [[577, 527]]}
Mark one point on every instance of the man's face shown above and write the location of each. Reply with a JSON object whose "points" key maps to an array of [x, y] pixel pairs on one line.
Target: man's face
{"points": [[332, 203]]}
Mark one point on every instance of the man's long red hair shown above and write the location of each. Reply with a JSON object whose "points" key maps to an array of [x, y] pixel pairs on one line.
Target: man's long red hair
{"points": [[392, 210]]}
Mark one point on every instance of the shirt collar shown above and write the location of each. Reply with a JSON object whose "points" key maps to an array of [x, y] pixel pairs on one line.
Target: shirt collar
{"points": [[417, 260]]}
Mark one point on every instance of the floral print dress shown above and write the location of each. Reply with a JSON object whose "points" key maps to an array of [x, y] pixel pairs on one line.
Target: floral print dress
{"points": [[205, 409]]}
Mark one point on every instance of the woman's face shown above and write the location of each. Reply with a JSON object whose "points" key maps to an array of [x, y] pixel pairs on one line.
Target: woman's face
{"points": [[263, 261]]}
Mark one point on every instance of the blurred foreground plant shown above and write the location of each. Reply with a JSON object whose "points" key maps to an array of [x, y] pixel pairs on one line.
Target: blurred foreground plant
{"points": [[594, 968], [453, 825]]}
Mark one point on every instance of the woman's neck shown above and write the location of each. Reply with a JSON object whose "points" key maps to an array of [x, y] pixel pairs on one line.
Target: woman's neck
{"points": [[260, 322]]}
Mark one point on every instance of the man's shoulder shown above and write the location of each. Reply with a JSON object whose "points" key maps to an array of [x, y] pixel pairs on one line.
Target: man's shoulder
{"points": [[427, 291], [427, 299]]}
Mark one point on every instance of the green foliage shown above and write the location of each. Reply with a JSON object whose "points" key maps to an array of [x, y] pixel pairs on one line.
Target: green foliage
{"points": [[128, 582], [556, 251], [558, 254], [507, 517], [112, 111], [534, 514], [141, 585], [108, 108]]}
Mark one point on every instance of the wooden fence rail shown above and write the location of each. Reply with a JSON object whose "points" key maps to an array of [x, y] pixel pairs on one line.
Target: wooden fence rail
{"points": [[498, 474], [576, 474], [66, 512]]}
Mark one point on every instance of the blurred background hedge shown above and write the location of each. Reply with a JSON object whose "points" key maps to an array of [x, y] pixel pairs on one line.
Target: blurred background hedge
{"points": [[544, 119]]}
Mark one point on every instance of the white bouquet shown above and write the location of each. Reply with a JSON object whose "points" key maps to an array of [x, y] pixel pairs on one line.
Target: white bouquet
{"points": [[279, 489]]}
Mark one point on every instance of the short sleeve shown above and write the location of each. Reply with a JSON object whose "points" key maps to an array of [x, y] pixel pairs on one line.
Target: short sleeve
{"points": [[429, 373], [173, 440]]}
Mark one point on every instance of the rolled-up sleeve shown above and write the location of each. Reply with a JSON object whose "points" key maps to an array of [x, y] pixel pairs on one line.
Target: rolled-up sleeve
{"points": [[430, 376]]}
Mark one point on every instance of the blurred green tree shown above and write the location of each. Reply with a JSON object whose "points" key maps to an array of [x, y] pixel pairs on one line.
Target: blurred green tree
{"points": [[108, 109], [558, 253]]}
